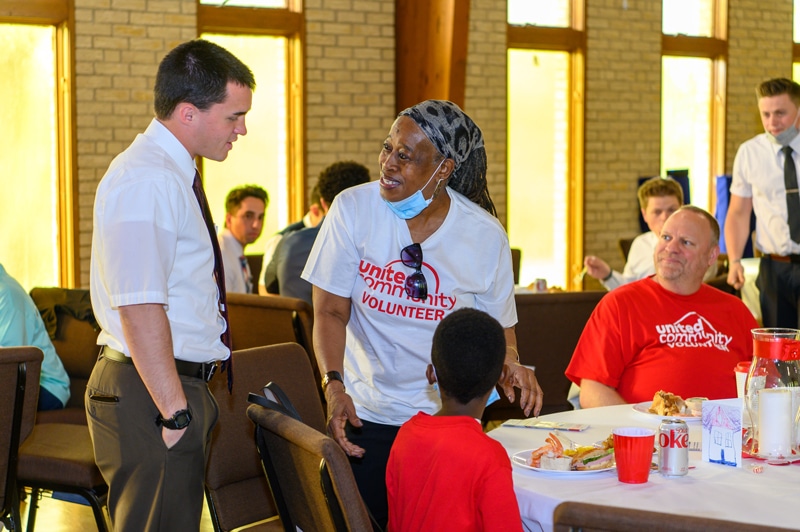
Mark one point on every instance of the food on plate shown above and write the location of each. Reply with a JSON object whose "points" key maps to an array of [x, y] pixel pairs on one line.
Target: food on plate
{"points": [[559, 453], [695, 405], [668, 404], [556, 463]]}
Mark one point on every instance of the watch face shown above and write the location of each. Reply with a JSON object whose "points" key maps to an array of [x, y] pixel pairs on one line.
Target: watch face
{"points": [[182, 419], [178, 421]]}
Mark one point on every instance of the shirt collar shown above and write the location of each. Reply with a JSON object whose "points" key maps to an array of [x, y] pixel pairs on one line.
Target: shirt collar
{"points": [[158, 133]]}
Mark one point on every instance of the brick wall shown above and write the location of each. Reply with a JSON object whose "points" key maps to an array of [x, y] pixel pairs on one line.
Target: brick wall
{"points": [[623, 118], [485, 96], [349, 90], [118, 45], [349, 81]]}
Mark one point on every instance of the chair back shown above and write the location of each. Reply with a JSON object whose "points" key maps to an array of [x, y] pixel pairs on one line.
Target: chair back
{"points": [[67, 311], [256, 321], [625, 247], [572, 516], [236, 489], [314, 474], [548, 329], [19, 393]]}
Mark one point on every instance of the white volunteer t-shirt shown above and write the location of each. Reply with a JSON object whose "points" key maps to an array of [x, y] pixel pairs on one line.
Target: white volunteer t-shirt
{"points": [[466, 262]]}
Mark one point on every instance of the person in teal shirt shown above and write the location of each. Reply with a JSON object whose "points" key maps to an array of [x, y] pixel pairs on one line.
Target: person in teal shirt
{"points": [[21, 324]]}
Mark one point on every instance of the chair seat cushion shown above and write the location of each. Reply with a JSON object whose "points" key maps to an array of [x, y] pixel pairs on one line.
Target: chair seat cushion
{"points": [[58, 453]]}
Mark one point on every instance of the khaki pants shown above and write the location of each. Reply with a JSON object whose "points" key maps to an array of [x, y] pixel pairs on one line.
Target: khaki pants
{"points": [[150, 487]]}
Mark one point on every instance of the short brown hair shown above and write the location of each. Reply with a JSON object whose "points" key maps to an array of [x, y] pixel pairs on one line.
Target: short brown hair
{"points": [[237, 195], [778, 86], [658, 187]]}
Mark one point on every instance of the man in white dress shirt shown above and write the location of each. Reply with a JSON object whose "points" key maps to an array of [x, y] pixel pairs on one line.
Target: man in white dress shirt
{"points": [[765, 182], [658, 198], [244, 219], [156, 296]]}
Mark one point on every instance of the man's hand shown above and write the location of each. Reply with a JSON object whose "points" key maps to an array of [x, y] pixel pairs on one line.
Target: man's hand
{"points": [[171, 437], [341, 410], [530, 395], [736, 274], [597, 267]]}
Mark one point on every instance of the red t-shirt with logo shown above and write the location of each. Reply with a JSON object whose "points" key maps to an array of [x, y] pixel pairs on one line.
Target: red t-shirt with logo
{"points": [[642, 338]]}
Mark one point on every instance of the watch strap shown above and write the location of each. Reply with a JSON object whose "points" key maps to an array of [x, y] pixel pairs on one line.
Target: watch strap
{"points": [[179, 420], [331, 376]]}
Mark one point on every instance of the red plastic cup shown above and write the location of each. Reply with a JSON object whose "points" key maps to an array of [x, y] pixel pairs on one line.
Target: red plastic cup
{"points": [[741, 370], [633, 451]]}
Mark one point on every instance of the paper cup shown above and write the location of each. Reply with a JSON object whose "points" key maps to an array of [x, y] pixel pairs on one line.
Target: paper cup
{"points": [[633, 451], [741, 370]]}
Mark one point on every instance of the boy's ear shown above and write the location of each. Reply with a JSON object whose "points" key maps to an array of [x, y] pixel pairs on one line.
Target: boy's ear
{"points": [[430, 374]]}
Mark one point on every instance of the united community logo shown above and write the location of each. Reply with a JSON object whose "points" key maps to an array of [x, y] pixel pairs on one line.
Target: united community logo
{"points": [[692, 330], [386, 293]]}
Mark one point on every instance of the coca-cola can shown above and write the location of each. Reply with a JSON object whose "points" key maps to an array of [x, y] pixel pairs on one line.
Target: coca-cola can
{"points": [[673, 448]]}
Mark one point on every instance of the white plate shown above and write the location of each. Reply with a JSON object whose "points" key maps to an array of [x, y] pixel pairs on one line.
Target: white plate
{"points": [[643, 408], [521, 459]]}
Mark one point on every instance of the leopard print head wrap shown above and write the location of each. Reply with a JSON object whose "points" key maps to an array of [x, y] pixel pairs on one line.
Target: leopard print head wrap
{"points": [[456, 137]]}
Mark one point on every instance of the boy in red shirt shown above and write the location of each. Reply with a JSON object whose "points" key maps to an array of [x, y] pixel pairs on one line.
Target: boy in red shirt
{"points": [[444, 473]]}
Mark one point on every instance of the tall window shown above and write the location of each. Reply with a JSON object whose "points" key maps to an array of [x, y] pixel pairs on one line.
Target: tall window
{"points": [[270, 155], [545, 68], [36, 206], [692, 92], [258, 158]]}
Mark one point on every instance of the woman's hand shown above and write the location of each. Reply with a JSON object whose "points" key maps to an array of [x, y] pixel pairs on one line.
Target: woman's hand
{"points": [[341, 410], [530, 395]]}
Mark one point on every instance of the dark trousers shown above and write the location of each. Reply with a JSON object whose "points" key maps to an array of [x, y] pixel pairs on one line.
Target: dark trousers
{"points": [[48, 401], [150, 487], [370, 471], [779, 292]]}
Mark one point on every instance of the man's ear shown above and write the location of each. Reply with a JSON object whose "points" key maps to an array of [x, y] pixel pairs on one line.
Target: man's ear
{"points": [[185, 112], [430, 374], [714, 255]]}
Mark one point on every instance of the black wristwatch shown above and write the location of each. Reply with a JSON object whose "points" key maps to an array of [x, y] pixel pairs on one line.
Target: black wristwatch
{"points": [[331, 376], [179, 420]]}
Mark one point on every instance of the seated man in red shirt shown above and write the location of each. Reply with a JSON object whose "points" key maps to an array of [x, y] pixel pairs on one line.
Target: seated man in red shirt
{"points": [[666, 332]]}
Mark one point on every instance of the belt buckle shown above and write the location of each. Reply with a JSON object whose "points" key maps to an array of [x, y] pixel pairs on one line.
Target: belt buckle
{"points": [[209, 370]]}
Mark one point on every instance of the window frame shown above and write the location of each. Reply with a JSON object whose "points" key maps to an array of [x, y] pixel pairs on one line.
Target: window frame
{"points": [[60, 15], [716, 49], [287, 23], [572, 40]]}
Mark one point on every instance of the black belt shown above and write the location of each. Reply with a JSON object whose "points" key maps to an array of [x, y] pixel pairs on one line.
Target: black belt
{"points": [[196, 370], [795, 259]]}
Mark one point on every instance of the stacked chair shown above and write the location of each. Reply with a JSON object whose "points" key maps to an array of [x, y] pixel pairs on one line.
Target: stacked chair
{"points": [[237, 491], [19, 392]]}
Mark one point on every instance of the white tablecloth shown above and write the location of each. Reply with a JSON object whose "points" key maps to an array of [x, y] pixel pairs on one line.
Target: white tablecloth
{"points": [[771, 498]]}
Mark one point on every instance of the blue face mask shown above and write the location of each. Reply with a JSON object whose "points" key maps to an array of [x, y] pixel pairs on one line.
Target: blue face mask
{"points": [[416, 203], [786, 136]]}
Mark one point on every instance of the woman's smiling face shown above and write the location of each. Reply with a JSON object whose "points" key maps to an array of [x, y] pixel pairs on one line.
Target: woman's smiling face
{"points": [[407, 160]]}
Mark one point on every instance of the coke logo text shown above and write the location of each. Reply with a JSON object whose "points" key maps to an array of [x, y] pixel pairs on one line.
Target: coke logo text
{"points": [[675, 439]]}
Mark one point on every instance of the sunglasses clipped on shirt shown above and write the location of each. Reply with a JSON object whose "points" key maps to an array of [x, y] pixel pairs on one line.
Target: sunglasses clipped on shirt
{"points": [[416, 285]]}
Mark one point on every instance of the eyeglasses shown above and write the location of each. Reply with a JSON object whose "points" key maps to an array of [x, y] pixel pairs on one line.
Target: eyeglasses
{"points": [[416, 285]]}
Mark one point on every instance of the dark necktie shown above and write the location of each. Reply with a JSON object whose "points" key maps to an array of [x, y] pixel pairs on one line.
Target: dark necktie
{"points": [[792, 197], [219, 273]]}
